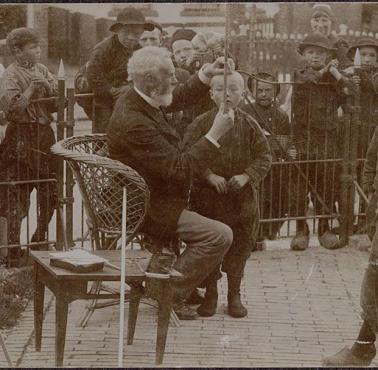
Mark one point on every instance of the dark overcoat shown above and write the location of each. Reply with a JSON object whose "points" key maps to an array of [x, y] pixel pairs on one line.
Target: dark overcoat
{"points": [[141, 137]]}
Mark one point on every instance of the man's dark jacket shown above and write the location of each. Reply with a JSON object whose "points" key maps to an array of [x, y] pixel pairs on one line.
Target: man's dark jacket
{"points": [[107, 68], [140, 136]]}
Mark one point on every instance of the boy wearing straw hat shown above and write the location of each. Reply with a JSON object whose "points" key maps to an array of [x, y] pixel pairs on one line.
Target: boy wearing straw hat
{"points": [[318, 92]]}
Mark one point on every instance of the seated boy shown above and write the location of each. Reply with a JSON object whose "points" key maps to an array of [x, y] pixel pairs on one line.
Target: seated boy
{"points": [[227, 191], [318, 92], [277, 186], [25, 151]]}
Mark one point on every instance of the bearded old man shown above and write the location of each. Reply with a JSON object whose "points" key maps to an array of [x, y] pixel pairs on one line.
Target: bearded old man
{"points": [[140, 136]]}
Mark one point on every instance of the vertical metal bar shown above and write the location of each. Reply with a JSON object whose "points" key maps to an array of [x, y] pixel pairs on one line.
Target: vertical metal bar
{"points": [[69, 176], [60, 166]]}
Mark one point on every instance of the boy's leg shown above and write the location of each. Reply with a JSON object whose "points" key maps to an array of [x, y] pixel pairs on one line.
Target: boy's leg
{"points": [[363, 350], [44, 166], [298, 204], [207, 242]]}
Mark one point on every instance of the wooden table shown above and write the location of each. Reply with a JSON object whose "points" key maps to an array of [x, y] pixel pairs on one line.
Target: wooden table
{"points": [[69, 286]]}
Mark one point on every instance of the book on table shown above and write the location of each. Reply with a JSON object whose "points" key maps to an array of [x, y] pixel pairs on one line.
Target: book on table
{"points": [[77, 260]]}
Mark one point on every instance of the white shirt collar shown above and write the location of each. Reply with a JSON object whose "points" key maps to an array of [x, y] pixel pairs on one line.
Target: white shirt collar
{"points": [[149, 100]]}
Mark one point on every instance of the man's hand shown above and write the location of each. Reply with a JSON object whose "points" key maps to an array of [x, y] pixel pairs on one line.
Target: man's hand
{"points": [[223, 122], [217, 68], [217, 182], [292, 153], [238, 181]]}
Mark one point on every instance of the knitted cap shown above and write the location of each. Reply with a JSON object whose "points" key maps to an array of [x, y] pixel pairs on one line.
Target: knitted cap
{"points": [[322, 9]]}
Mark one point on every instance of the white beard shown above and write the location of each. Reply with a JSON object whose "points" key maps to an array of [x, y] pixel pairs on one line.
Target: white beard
{"points": [[165, 100]]}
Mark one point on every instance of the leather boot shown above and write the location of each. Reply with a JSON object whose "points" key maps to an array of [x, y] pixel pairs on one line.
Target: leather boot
{"points": [[301, 239], [235, 307], [350, 357], [326, 237], [209, 305]]}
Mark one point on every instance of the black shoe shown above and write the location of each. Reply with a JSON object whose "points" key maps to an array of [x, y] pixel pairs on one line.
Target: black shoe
{"points": [[195, 298], [346, 357], [209, 305], [235, 307], [184, 312]]}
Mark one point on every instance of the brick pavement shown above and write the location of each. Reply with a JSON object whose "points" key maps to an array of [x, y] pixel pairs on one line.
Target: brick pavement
{"points": [[302, 306]]}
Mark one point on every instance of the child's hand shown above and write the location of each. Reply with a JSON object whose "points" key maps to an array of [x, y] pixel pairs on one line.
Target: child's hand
{"points": [[356, 79], [38, 81], [238, 181], [218, 182], [333, 63]]}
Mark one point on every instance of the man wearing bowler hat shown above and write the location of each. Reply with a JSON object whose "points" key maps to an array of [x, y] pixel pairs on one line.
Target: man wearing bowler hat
{"points": [[107, 65]]}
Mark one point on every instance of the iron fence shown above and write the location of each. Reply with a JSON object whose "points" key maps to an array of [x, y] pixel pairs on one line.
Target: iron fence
{"points": [[315, 185]]}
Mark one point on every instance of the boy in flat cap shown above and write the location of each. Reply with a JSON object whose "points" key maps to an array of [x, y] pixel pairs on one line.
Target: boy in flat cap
{"points": [[25, 151], [226, 191], [318, 92], [107, 65]]}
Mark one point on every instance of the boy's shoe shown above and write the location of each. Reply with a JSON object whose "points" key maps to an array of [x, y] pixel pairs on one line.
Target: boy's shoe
{"points": [[195, 298], [346, 357], [300, 241], [183, 311], [329, 240]]}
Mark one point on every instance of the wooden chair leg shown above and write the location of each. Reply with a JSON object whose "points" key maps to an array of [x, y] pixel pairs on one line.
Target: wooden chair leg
{"points": [[135, 296], [95, 289], [165, 308]]}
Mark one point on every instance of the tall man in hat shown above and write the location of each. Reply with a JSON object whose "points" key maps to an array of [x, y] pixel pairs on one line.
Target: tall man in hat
{"points": [[107, 65], [322, 21]]}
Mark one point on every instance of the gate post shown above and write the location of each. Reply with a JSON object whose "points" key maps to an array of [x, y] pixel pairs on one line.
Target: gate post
{"points": [[60, 166], [349, 167], [69, 200]]}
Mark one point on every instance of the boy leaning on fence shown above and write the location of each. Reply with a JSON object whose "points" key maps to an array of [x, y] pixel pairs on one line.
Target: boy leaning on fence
{"points": [[227, 190], [25, 151], [318, 93], [274, 195]]}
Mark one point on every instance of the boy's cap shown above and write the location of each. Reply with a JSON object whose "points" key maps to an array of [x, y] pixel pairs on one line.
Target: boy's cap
{"points": [[315, 39], [263, 75], [131, 16], [360, 43], [182, 34], [322, 10]]}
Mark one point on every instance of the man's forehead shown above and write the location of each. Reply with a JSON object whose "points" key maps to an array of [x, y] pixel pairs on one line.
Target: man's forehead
{"points": [[155, 32], [179, 44]]}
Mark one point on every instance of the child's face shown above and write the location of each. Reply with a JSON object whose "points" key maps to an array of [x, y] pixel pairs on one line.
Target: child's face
{"points": [[315, 56], [322, 24], [235, 90], [31, 52], [368, 55], [264, 93]]}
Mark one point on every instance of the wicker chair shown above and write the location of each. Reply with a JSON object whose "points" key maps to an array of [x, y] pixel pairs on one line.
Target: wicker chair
{"points": [[101, 181]]}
